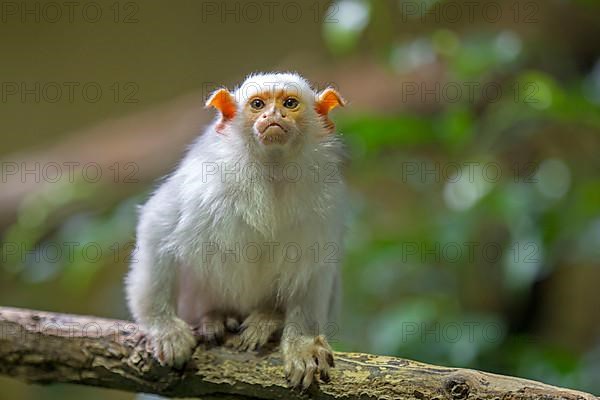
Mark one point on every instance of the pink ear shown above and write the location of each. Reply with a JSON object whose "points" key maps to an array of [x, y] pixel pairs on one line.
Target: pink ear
{"points": [[223, 101], [327, 100]]}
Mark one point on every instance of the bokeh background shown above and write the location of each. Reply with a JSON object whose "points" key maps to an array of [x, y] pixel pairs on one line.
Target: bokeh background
{"points": [[473, 129]]}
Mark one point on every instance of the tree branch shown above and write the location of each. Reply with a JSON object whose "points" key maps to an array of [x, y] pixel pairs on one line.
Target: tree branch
{"points": [[41, 347]]}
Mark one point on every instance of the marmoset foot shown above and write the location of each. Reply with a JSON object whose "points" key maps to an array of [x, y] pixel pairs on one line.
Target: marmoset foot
{"points": [[212, 327], [256, 330], [304, 357]]}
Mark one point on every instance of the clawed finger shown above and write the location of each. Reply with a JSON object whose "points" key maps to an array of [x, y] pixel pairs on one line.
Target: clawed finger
{"points": [[309, 373], [324, 361], [297, 373]]}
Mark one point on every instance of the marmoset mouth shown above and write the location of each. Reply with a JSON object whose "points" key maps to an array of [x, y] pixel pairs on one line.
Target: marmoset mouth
{"points": [[274, 124], [273, 133]]}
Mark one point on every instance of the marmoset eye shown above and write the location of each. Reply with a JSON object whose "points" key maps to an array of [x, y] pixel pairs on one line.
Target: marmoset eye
{"points": [[290, 102], [257, 104]]}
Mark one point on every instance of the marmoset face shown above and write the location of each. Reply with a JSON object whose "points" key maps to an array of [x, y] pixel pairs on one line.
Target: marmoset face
{"points": [[276, 116], [275, 110]]}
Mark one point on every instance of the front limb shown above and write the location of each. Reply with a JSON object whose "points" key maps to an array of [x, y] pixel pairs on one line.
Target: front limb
{"points": [[151, 292], [305, 349]]}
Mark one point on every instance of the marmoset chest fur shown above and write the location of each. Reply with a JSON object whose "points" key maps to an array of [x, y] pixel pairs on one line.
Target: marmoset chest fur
{"points": [[260, 232]]}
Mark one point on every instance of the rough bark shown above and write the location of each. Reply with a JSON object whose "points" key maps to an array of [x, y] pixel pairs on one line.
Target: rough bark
{"points": [[42, 347]]}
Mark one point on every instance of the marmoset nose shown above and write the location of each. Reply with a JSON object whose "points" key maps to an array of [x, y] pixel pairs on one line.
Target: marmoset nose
{"points": [[273, 112]]}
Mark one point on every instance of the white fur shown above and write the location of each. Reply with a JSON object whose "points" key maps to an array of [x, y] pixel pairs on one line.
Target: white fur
{"points": [[227, 199], [257, 83]]}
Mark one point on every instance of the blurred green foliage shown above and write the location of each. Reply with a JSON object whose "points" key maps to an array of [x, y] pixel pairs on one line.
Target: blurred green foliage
{"points": [[413, 288]]}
